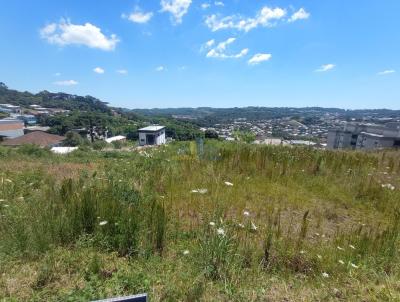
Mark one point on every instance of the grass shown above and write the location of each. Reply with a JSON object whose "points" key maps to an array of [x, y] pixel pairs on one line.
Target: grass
{"points": [[297, 224]]}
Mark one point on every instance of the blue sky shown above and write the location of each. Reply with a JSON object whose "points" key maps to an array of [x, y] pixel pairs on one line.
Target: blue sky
{"points": [[190, 53]]}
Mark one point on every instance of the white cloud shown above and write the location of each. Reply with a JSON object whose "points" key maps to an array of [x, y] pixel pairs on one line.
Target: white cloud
{"points": [[57, 74], [219, 3], [178, 8], [138, 16], [66, 83], [325, 67], [122, 71], [219, 50], [260, 57], [98, 70], [385, 72], [263, 18], [205, 5], [66, 33], [160, 68], [301, 14]]}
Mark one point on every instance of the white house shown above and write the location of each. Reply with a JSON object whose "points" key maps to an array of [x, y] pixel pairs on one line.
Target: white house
{"points": [[152, 135]]}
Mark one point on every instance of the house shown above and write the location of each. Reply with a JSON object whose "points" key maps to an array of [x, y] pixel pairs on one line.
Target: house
{"points": [[11, 128], [364, 136], [42, 139], [152, 135], [8, 108], [118, 138]]}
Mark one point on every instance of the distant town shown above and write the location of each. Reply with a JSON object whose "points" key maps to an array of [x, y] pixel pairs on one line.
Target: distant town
{"points": [[58, 114]]}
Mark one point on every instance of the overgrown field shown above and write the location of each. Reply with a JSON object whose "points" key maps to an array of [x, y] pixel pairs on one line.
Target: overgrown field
{"points": [[235, 223]]}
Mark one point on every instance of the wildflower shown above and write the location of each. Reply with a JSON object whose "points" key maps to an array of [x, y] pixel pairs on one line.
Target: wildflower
{"points": [[186, 252], [341, 261], [8, 180], [1, 200], [221, 232], [325, 275], [352, 246], [319, 256], [353, 265], [253, 226], [246, 213], [229, 184], [389, 186], [212, 223], [6, 205], [21, 198], [302, 252], [316, 234], [340, 248], [203, 191], [104, 222], [241, 225]]}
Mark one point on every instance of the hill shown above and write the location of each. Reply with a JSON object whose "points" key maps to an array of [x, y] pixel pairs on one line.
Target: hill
{"points": [[52, 100]]}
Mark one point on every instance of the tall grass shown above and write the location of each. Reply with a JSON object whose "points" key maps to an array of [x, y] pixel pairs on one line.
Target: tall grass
{"points": [[291, 212]]}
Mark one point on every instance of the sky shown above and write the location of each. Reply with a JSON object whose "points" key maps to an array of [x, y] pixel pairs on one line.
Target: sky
{"points": [[195, 53]]}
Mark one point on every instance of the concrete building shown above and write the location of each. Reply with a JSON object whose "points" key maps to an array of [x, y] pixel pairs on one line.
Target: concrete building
{"points": [[152, 135], [365, 136], [11, 128]]}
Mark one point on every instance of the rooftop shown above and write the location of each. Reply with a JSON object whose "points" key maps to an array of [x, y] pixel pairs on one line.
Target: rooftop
{"points": [[152, 128], [40, 138]]}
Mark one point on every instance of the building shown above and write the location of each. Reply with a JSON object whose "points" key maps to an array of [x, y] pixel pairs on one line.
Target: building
{"points": [[365, 136], [39, 138], [8, 108], [152, 135], [11, 128]]}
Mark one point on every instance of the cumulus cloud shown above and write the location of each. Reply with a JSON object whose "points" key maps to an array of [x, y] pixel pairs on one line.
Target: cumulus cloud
{"points": [[265, 17], [205, 5], [122, 71], [219, 51], [385, 72], [301, 14], [177, 8], [66, 83], [98, 70], [138, 16], [160, 68], [65, 33], [219, 3], [325, 67], [259, 58]]}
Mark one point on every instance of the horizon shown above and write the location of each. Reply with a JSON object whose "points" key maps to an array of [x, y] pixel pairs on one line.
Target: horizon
{"points": [[217, 54]]}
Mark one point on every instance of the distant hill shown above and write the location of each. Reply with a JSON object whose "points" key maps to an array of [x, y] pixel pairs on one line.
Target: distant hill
{"points": [[52, 100]]}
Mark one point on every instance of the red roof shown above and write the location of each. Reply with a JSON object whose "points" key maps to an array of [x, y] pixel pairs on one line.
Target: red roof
{"points": [[40, 138]]}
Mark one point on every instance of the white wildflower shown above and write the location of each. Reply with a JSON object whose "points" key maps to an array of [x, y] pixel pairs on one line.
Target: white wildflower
{"points": [[203, 191], [341, 261], [6, 205], [352, 246], [186, 252], [353, 265], [253, 226], [246, 213], [221, 232], [104, 222], [8, 180], [340, 248], [212, 223], [316, 234], [241, 225], [302, 252], [319, 256], [229, 184], [325, 275], [1, 200]]}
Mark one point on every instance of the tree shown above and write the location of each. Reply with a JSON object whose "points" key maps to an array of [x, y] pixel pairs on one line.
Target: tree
{"points": [[211, 134], [73, 139]]}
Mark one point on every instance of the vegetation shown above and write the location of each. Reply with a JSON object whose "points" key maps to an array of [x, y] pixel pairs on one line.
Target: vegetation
{"points": [[235, 222]]}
